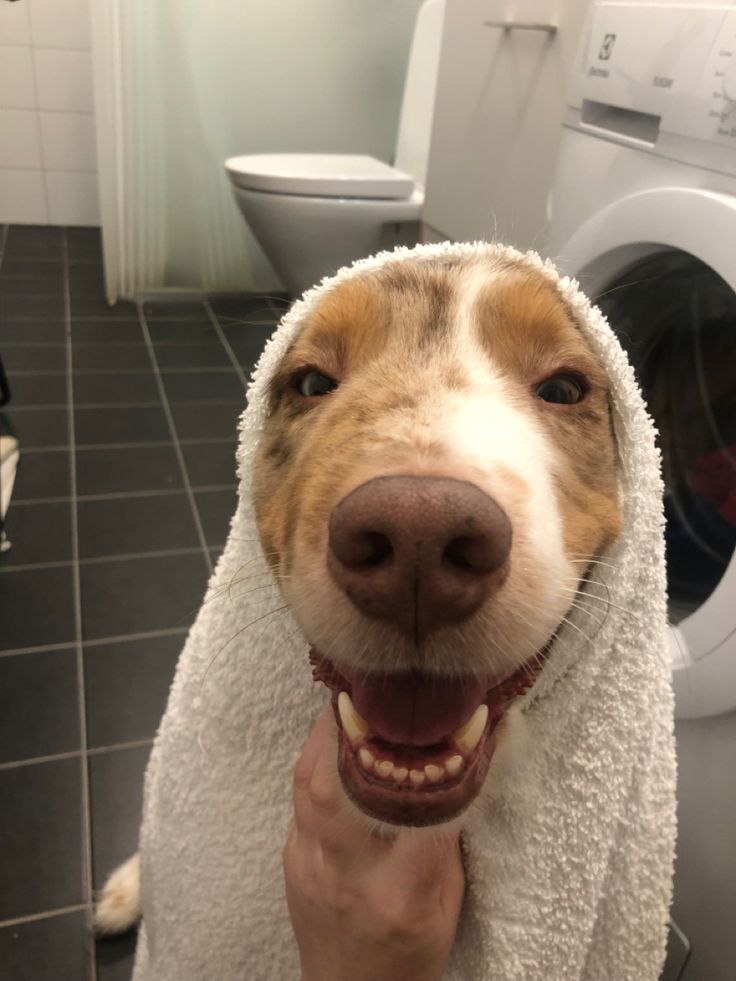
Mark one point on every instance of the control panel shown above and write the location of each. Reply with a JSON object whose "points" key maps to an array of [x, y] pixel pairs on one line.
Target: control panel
{"points": [[650, 69]]}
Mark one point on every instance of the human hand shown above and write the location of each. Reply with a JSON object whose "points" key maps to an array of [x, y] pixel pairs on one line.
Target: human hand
{"points": [[364, 908]]}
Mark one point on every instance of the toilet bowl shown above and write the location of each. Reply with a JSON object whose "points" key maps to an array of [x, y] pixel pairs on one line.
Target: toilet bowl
{"points": [[312, 213]]}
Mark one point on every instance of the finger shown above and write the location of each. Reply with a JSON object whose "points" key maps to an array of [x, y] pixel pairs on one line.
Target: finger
{"points": [[322, 731]]}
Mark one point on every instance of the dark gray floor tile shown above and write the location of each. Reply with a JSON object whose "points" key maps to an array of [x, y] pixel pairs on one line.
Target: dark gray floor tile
{"points": [[44, 474], [97, 307], [135, 524], [136, 468], [207, 420], [175, 331], [39, 533], [32, 331], [30, 306], [52, 949], [126, 688], [188, 386], [33, 236], [115, 956], [34, 357], [174, 310], [38, 285], [39, 710], [116, 425], [116, 795], [112, 388], [137, 595], [40, 837], [40, 427], [210, 464], [102, 331], [248, 349], [249, 308], [192, 356], [111, 356], [52, 269], [86, 279], [216, 508], [37, 390], [84, 239], [36, 607]]}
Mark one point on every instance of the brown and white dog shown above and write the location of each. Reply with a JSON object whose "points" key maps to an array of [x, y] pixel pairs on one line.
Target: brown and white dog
{"points": [[436, 476]]}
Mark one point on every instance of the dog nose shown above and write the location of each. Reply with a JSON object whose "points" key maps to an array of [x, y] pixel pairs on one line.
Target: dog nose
{"points": [[418, 551]]}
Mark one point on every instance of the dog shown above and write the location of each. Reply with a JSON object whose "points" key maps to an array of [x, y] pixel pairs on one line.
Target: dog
{"points": [[436, 477]]}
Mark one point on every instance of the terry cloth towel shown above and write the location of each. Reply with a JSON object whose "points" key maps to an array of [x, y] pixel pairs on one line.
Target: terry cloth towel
{"points": [[569, 869]]}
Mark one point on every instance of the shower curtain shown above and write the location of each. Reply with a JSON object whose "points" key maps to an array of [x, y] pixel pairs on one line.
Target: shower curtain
{"points": [[182, 84]]}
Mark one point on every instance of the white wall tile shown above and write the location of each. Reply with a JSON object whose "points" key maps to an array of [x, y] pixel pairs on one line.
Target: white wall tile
{"points": [[68, 141], [73, 198], [64, 80], [61, 23], [19, 142], [17, 90], [14, 23], [22, 197]]}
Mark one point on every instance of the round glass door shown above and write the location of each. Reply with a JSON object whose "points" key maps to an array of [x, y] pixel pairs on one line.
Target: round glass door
{"points": [[676, 318]]}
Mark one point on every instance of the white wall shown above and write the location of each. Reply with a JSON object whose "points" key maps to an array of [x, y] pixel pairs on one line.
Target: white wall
{"points": [[48, 166]]}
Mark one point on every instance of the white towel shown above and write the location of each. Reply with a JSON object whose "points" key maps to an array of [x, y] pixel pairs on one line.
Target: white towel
{"points": [[569, 866]]}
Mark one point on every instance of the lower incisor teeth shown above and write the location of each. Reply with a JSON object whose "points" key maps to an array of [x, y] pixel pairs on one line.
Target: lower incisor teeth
{"points": [[416, 777], [384, 768], [400, 774], [454, 765], [434, 773]]}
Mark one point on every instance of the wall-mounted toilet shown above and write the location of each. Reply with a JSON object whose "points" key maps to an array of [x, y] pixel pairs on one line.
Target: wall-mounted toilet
{"points": [[313, 213]]}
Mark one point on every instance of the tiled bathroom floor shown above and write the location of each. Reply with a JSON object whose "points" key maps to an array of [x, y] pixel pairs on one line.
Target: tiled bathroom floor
{"points": [[126, 419]]}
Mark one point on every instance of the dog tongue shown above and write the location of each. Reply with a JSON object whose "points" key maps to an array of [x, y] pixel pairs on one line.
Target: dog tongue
{"points": [[415, 709]]}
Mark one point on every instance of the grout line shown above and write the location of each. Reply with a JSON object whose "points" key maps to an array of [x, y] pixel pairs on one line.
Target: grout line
{"points": [[77, 589], [3, 238], [177, 443], [162, 553], [125, 495], [95, 642], [47, 915], [83, 754], [30, 566], [226, 344], [55, 448], [25, 372]]}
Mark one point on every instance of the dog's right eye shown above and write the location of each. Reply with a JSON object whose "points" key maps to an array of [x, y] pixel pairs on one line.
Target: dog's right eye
{"points": [[314, 383]]}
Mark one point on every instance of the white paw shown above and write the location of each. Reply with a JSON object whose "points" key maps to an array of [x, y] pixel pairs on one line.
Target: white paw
{"points": [[119, 906]]}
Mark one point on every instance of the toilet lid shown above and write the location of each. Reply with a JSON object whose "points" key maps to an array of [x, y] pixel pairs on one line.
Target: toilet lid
{"points": [[333, 175]]}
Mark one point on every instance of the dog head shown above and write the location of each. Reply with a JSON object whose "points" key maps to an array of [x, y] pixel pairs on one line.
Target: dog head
{"points": [[436, 473]]}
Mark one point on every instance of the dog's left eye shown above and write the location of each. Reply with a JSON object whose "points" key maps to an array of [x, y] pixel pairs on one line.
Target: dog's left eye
{"points": [[315, 383], [561, 390]]}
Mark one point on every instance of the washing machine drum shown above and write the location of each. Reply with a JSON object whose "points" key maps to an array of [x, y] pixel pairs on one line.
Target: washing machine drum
{"points": [[677, 320]]}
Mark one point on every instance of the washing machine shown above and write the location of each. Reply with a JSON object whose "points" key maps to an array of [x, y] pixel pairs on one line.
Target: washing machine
{"points": [[643, 212]]}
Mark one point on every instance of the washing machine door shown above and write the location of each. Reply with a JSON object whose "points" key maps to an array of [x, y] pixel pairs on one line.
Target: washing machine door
{"points": [[662, 266]]}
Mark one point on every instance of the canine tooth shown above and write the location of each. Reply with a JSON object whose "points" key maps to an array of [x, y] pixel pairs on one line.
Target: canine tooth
{"points": [[454, 765], [384, 768], [434, 773], [355, 726], [417, 777], [468, 736], [400, 774], [366, 758]]}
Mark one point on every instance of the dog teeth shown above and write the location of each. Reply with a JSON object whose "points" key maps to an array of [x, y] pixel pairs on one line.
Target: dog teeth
{"points": [[468, 736], [384, 768], [417, 777], [366, 758], [400, 774], [454, 765], [354, 725], [434, 773]]}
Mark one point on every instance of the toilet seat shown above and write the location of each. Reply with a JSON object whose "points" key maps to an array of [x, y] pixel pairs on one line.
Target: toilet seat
{"points": [[328, 175]]}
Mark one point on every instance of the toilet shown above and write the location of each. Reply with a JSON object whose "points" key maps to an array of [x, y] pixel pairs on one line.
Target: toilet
{"points": [[312, 213]]}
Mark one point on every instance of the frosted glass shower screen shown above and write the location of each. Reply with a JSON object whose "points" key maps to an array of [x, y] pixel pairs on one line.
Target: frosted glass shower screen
{"points": [[182, 84]]}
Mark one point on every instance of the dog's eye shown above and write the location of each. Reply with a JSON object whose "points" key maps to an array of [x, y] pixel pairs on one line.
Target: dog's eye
{"points": [[562, 390], [315, 383]]}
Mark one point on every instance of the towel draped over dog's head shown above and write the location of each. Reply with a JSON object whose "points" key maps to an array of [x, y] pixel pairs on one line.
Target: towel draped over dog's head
{"points": [[569, 844]]}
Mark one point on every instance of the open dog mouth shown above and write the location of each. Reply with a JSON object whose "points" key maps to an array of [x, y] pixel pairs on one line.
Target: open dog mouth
{"points": [[414, 748]]}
